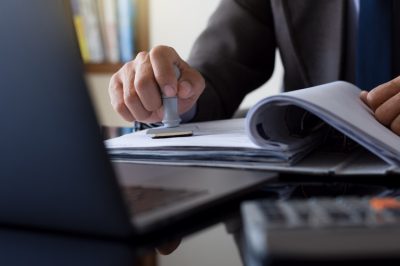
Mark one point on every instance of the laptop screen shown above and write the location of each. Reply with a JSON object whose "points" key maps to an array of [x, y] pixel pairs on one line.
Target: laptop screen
{"points": [[54, 170]]}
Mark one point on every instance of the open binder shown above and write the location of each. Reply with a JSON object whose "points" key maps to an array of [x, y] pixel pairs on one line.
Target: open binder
{"points": [[294, 131]]}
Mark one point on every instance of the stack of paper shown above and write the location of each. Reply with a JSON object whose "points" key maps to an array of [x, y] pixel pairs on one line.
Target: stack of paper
{"points": [[277, 134], [216, 143]]}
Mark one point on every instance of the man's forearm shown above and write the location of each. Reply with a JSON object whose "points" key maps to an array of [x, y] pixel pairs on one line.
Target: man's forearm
{"points": [[235, 54]]}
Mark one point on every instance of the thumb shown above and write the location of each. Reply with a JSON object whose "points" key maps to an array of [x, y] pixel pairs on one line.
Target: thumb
{"points": [[191, 83], [164, 61], [363, 97]]}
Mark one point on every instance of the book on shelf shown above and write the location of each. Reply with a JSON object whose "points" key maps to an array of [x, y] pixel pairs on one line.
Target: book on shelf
{"points": [[80, 30], [324, 129], [105, 30], [89, 11], [109, 29], [125, 29]]}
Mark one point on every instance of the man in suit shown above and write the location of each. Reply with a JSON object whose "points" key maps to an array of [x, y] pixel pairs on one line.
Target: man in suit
{"points": [[318, 42]]}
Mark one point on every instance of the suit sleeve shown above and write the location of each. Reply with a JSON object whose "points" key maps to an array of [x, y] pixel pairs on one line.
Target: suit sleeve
{"points": [[235, 54]]}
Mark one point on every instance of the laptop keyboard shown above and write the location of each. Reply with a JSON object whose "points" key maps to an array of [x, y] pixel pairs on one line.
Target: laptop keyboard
{"points": [[142, 199]]}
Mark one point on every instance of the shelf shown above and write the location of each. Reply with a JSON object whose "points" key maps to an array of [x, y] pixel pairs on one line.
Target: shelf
{"points": [[104, 68], [141, 40]]}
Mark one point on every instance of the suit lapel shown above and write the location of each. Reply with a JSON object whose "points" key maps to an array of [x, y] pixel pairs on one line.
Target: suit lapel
{"points": [[396, 39], [315, 51]]}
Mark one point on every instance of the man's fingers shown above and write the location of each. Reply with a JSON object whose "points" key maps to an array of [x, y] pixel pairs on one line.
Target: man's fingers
{"points": [[122, 109], [395, 125], [115, 91], [191, 83], [389, 110], [130, 96], [363, 97], [384, 100], [191, 86], [137, 89], [185, 90], [163, 59], [136, 108], [145, 83], [382, 93]]}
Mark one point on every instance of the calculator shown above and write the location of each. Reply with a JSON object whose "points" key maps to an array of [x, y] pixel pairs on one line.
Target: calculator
{"points": [[321, 229]]}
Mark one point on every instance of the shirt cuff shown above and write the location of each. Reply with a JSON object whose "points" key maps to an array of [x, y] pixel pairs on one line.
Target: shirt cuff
{"points": [[189, 115]]}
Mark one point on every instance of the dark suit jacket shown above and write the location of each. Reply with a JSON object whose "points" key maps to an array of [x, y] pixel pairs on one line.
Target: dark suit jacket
{"points": [[236, 52]]}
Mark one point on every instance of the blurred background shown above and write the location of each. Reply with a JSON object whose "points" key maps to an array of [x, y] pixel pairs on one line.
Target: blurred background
{"points": [[175, 23]]}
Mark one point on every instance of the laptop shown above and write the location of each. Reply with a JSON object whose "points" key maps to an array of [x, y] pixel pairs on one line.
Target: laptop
{"points": [[55, 172]]}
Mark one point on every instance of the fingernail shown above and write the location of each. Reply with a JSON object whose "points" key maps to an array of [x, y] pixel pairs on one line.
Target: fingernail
{"points": [[169, 91], [185, 89]]}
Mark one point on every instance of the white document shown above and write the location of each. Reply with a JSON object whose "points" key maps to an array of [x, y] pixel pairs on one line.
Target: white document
{"points": [[340, 106], [277, 134], [223, 140]]}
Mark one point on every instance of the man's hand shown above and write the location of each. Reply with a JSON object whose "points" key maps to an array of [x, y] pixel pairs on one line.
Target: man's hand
{"points": [[135, 90], [167, 249], [384, 100]]}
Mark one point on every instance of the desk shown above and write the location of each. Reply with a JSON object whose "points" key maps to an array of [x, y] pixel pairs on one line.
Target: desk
{"points": [[19, 247]]}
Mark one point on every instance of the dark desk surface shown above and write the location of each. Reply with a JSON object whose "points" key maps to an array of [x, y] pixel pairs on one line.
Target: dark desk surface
{"points": [[292, 188], [18, 247]]}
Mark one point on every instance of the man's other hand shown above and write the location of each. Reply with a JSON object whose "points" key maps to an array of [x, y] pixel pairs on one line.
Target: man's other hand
{"points": [[384, 100], [135, 90]]}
